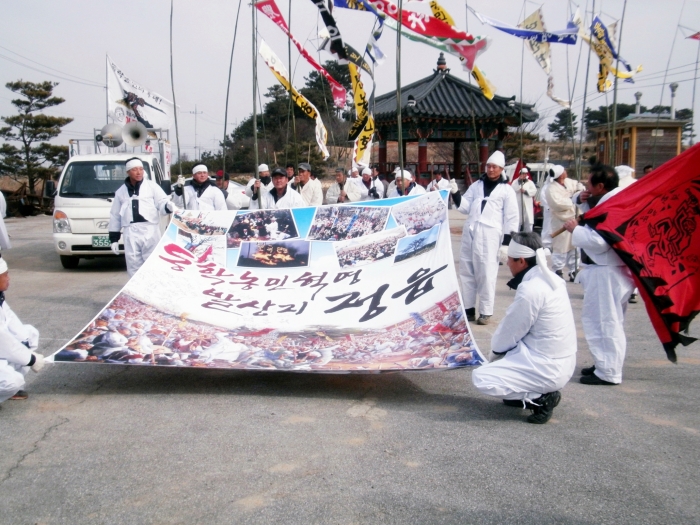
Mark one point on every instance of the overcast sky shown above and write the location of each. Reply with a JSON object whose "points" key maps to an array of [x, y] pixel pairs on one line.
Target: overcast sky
{"points": [[73, 37]]}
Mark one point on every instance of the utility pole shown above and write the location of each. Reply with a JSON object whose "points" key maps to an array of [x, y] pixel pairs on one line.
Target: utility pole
{"points": [[195, 113]]}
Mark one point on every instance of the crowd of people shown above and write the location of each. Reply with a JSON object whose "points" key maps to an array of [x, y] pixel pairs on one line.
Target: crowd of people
{"points": [[201, 224], [338, 223], [371, 249], [262, 225], [421, 214], [129, 331]]}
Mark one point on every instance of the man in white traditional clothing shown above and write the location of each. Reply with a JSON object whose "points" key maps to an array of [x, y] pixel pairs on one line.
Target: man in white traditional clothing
{"points": [[342, 190], [607, 286], [233, 197], [5, 243], [439, 183], [533, 351], [546, 213], [404, 185], [281, 196], [626, 175], [525, 191], [18, 344], [135, 215], [370, 189], [310, 189], [200, 193], [491, 206], [559, 193], [256, 188]]}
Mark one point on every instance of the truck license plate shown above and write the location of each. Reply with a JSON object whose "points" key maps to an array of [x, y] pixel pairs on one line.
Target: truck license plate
{"points": [[100, 241]]}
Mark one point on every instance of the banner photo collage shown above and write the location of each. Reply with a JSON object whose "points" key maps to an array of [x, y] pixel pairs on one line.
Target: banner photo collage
{"points": [[366, 287]]}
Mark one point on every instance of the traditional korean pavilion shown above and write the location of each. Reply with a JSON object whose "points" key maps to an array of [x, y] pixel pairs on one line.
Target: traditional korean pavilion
{"points": [[444, 108]]}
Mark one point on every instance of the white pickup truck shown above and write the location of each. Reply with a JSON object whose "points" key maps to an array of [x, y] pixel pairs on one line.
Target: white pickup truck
{"points": [[83, 200]]}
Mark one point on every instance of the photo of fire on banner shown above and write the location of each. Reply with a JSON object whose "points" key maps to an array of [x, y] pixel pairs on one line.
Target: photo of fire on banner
{"points": [[335, 296]]}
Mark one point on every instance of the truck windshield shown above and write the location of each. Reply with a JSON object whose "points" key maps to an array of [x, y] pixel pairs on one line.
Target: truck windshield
{"points": [[95, 179]]}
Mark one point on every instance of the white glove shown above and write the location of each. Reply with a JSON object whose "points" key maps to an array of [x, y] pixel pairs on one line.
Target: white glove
{"points": [[38, 364], [115, 248], [180, 180], [503, 254], [453, 186]]}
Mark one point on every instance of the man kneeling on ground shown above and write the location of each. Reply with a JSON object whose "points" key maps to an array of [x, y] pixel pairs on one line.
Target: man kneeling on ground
{"points": [[533, 351]]}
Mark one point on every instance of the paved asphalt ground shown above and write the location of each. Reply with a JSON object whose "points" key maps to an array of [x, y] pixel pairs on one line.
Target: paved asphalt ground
{"points": [[120, 444]]}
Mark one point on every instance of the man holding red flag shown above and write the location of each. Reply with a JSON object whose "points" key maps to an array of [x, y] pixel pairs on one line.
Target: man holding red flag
{"points": [[607, 286]]}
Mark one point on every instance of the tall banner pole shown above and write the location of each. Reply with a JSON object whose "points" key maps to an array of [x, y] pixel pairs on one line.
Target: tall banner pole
{"points": [[172, 84], [398, 91], [255, 90]]}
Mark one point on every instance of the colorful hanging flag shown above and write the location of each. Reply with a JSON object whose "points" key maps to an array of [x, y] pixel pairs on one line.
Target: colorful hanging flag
{"points": [[540, 50], [351, 54], [269, 8], [696, 36], [363, 128], [565, 36], [601, 43], [466, 45], [335, 39], [278, 69], [654, 226], [372, 49]]}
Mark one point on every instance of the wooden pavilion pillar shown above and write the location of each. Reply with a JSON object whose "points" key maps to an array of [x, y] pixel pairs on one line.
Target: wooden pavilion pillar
{"points": [[382, 156], [403, 149], [457, 159], [483, 155], [422, 156]]}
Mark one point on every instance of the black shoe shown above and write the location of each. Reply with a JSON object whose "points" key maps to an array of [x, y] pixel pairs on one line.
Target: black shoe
{"points": [[572, 277], [633, 298], [560, 273], [588, 371], [595, 380], [483, 319], [543, 413], [471, 314], [20, 395]]}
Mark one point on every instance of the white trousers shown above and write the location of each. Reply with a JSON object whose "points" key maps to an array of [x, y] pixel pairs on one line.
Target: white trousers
{"points": [[562, 260], [546, 227], [11, 379], [523, 374], [606, 291], [478, 266], [140, 239]]}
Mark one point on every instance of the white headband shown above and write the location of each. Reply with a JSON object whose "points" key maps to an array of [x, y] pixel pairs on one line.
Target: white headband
{"points": [[3, 266], [134, 163], [516, 251], [198, 168]]}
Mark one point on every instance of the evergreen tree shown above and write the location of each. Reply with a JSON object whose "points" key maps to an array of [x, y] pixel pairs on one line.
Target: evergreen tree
{"points": [[35, 158], [564, 125]]}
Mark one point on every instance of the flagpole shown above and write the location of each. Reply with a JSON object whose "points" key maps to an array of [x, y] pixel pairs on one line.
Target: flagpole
{"points": [[291, 102], [255, 90], [692, 113], [398, 91], [522, 66], [228, 91], [172, 85], [583, 109], [107, 92], [613, 148]]}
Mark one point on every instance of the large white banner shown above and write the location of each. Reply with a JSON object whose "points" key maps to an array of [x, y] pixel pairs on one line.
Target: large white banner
{"points": [[347, 288], [129, 101]]}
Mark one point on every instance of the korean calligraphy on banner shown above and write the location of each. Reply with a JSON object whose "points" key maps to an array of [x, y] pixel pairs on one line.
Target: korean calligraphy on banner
{"points": [[367, 287], [129, 101]]}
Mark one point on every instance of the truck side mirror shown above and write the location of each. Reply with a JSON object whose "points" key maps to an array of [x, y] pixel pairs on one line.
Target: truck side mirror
{"points": [[49, 189], [166, 186]]}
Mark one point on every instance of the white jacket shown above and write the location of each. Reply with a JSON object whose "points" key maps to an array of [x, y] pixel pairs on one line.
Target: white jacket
{"points": [[264, 188], [539, 317], [500, 212], [442, 184], [212, 198], [12, 335], [234, 199], [526, 198], [312, 192], [5, 243], [352, 192], [392, 192], [291, 199], [152, 203], [592, 243], [364, 190]]}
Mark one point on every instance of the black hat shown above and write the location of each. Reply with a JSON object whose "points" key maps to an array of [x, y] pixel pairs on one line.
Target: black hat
{"points": [[304, 166], [278, 172]]}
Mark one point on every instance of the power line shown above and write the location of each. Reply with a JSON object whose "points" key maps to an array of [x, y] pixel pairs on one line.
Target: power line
{"points": [[101, 86], [48, 67]]}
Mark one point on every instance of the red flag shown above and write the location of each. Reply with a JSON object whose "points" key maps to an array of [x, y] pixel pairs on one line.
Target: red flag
{"points": [[516, 173], [654, 226], [696, 36]]}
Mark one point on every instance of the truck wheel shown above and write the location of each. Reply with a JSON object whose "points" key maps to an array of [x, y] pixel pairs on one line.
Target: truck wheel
{"points": [[70, 262]]}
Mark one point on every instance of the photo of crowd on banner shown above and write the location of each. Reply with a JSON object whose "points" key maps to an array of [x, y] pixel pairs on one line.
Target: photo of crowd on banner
{"points": [[129, 331], [369, 249], [202, 223], [339, 223], [262, 225], [279, 254], [421, 214], [417, 244], [203, 234]]}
